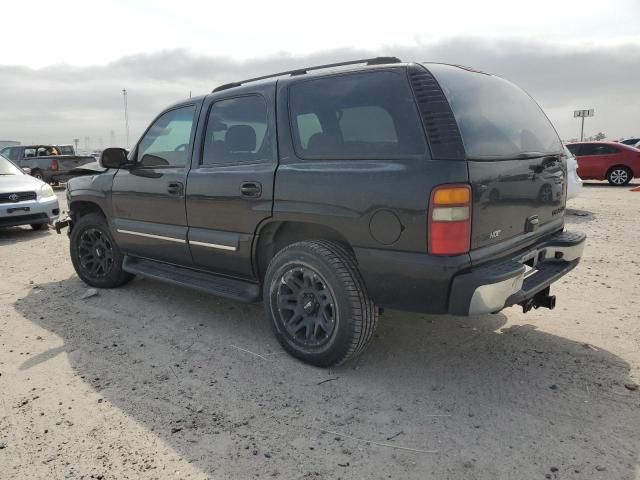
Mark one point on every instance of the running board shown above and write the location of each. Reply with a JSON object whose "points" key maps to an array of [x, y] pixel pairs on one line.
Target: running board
{"points": [[239, 290]]}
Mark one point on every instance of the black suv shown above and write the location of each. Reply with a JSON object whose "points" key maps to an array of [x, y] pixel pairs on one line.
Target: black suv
{"points": [[333, 191]]}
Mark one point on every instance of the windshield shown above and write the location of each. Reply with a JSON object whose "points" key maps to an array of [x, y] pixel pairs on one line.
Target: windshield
{"points": [[496, 118], [8, 168]]}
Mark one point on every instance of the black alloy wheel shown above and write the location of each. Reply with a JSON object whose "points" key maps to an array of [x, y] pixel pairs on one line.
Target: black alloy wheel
{"points": [[306, 307], [95, 252]]}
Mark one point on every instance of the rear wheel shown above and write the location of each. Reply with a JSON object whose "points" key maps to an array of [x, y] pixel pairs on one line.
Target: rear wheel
{"points": [[95, 255], [37, 174], [38, 226], [318, 304], [619, 176]]}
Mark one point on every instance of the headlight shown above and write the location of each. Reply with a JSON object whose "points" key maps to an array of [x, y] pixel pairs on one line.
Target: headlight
{"points": [[45, 192]]}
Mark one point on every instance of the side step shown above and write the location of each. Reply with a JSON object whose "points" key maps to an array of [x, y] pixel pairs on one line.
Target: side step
{"points": [[205, 282]]}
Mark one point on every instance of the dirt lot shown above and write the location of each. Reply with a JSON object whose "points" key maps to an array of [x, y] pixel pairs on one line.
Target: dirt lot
{"points": [[152, 381]]}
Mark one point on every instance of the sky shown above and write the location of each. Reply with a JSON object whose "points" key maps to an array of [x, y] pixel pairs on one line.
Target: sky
{"points": [[63, 64]]}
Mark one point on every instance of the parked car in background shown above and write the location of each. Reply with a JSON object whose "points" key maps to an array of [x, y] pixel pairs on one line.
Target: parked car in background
{"points": [[25, 200], [574, 182], [634, 142], [369, 200], [616, 162], [18, 152], [48, 168]]}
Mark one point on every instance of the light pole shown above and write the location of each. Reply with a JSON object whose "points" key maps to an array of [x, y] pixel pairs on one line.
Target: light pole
{"points": [[126, 115]]}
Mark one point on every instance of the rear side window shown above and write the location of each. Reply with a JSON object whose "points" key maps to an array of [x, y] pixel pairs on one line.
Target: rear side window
{"points": [[363, 115], [496, 118], [596, 149], [237, 132]]}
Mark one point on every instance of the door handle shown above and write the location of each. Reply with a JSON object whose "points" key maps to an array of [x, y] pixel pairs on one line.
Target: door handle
{"points": [[251, 189], [175, 188]]}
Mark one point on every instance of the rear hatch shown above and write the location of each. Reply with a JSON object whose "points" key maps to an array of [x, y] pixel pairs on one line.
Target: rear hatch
{"points": [[516, 162]]}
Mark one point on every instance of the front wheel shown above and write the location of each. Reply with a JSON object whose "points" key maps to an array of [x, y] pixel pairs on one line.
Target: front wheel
{"points": [[619, 176], [318, 304], [95, 255]]}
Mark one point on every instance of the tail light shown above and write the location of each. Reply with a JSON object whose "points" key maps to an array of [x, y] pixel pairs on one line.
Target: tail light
{"points": [[54, 164], [449, 225]]}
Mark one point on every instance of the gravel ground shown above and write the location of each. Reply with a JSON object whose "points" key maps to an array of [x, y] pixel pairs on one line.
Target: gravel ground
{"points": [[153, 381]]}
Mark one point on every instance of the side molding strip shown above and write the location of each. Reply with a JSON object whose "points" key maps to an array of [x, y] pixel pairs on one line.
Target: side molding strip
{"points": [[213, 245], [148, 235]]}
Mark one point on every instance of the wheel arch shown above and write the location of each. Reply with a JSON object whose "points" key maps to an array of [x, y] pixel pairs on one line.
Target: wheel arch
{"points": [[276, 235], [80, 208]]}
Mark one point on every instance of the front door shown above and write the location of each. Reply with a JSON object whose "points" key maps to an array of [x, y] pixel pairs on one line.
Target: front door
{"points": [[149, 218], [230, 185]]}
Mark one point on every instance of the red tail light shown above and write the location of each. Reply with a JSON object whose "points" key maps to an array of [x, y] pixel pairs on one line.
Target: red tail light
{"points": [[54, 164], [449, 225]]}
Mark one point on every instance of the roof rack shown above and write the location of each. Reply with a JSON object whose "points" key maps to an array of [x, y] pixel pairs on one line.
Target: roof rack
{"points": [[302, 71]]}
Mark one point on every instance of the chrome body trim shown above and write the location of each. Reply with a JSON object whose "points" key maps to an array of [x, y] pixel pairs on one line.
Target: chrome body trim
{"points": [[149, 235]]}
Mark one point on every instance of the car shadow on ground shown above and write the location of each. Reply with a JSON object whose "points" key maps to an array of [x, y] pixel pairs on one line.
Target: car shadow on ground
{"points": [[206, 375], [22, 234]]}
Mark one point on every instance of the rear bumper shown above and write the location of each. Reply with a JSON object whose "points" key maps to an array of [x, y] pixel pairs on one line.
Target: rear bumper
{"points": [[491, 288], [419, 282]]}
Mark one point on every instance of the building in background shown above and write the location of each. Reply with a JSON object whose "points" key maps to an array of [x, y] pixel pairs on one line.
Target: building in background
{"points": [[8, 143]]}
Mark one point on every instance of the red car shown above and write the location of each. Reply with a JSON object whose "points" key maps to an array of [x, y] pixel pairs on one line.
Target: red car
{"points": [[615, 162]]}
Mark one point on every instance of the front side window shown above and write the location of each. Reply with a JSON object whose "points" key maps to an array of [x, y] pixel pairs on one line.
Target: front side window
{"points": [[167, 142], [237, 132], [29, 152], [362, 115]]}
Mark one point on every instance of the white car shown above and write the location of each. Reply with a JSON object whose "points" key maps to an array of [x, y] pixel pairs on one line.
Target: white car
{"points": [[25, 200], [574, 182]]}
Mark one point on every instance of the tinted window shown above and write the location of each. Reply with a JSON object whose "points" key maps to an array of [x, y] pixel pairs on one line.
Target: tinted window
{"points": [[237, 132], [573, 149], [496, 118], [360, 115], [596, 149], [167, 142]]}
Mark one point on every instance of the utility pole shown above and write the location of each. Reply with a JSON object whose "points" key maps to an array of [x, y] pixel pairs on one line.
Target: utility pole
{"points": [[126, 115]]}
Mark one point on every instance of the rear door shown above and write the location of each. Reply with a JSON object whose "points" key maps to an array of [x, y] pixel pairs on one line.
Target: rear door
{"points": [[230, 185], [516, 162]]}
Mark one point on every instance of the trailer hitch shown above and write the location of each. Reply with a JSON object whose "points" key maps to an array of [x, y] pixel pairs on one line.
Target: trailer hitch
{"points": [[542, 299]]}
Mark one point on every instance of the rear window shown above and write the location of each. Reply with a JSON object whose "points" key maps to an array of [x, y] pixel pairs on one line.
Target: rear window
{"points": [[496, 118], [363, 115]]}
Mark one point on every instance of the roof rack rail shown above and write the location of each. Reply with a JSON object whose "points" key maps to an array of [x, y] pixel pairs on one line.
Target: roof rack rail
{"points": [[302, 71]]}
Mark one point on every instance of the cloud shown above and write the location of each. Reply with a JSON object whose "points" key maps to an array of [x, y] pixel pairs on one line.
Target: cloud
{"points": [[62, 102]]}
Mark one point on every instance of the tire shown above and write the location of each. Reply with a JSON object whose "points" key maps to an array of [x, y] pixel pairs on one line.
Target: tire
{"points": [[95, 255], [38, 226], [315, 286], [37, 174], [619, 176]]}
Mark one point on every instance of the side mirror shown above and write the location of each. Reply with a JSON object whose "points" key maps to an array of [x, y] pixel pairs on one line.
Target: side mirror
{"points": [[26, 170], [114, 158]]}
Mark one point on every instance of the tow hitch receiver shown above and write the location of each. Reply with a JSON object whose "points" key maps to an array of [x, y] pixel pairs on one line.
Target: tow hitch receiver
{"points": [[540, 299], [60, 224]]}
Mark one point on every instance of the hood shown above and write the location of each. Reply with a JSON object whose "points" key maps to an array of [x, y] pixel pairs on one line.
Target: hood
{"points": [[19, 183]]}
